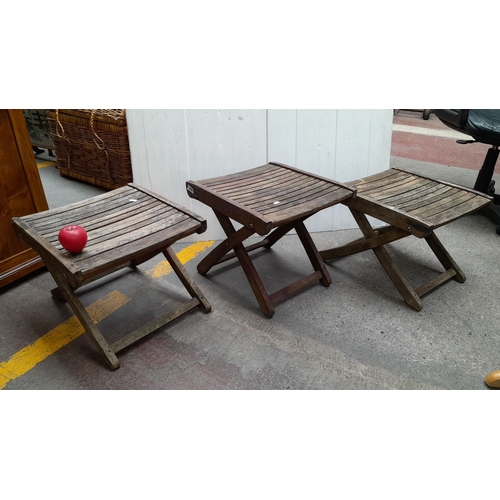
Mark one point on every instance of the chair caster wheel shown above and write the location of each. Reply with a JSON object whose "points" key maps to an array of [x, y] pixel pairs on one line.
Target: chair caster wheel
{"points": [[493, 379]]}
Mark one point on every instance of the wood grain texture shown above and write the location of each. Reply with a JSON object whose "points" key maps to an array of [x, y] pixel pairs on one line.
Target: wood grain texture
{"points": [[268, 196], [414, 202], [21, 193]]}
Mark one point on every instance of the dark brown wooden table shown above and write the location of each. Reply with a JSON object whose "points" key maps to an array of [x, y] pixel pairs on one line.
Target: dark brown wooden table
{"points": [[268, 200], [125, 227]]}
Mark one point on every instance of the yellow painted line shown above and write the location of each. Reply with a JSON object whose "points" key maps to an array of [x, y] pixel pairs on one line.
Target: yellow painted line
{"points": [[25, 359], [44, 164], [28, 357], [163, 267]]}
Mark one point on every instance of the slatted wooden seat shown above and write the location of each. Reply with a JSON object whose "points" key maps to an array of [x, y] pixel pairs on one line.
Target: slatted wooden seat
{"points": [[412, 205], [125, 227], [269, 200]]}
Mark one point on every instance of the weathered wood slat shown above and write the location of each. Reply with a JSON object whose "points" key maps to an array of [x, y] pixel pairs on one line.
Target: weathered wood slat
{"points": [[282, 193], [406, 185], [92, 224], [429, 195], [82, 217], [124, 225], [118, 237], [406, 199], [377, 181], [102, 200], [255, 183], [456, 212], [270, 188], [132, 235], [452, 201], [280, 198], [308, 199], [236, 177], [315, 176], [294, 191], [374, 178], [305, 210], [263, 186]]}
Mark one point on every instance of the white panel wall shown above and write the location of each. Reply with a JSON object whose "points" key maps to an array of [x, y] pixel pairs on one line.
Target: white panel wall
{"points": [[169, 147]]}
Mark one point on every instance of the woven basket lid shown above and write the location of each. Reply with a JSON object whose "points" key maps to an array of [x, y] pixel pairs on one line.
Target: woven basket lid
{"points": [[111, 116]]}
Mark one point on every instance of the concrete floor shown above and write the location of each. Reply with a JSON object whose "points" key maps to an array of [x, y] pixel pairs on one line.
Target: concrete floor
{"points": [[356, 334]]}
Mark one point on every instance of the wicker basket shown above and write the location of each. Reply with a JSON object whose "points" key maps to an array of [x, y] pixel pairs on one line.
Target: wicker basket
{"points": [[92, 145]]}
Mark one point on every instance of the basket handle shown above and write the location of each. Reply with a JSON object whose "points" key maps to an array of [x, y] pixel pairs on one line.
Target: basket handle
{"points": [[59, 125], [64, 139], [101, 146]]}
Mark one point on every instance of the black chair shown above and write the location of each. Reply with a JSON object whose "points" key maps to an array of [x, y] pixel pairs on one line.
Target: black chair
{"points": [[483, 125]]}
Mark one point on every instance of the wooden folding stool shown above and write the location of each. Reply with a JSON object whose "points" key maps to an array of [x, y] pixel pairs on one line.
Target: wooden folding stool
{"points": [[273, 197], [412, 205], [125, 227]]}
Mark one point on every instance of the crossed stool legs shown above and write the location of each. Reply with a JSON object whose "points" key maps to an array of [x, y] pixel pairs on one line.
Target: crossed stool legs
{"points": [[411, 205], [125, 227], [270, 201]]}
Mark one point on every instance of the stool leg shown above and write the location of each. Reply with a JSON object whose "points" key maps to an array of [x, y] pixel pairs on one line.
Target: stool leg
{"points": [[403, 286], [246, 263], [312, 252], [85, 319], [444, 257], [216, 255], [308, 244], [278, 233], [183, 275], [255, 282]]}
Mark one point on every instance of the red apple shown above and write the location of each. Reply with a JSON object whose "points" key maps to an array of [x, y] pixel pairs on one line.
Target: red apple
{"points": [[73, 238]]}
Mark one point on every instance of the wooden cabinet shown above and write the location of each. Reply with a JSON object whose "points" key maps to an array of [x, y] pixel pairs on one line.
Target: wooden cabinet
{"points": [[21, 193]]}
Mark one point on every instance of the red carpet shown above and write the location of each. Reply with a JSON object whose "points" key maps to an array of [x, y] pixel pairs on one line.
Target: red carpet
{"points": [[431, 147]]}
